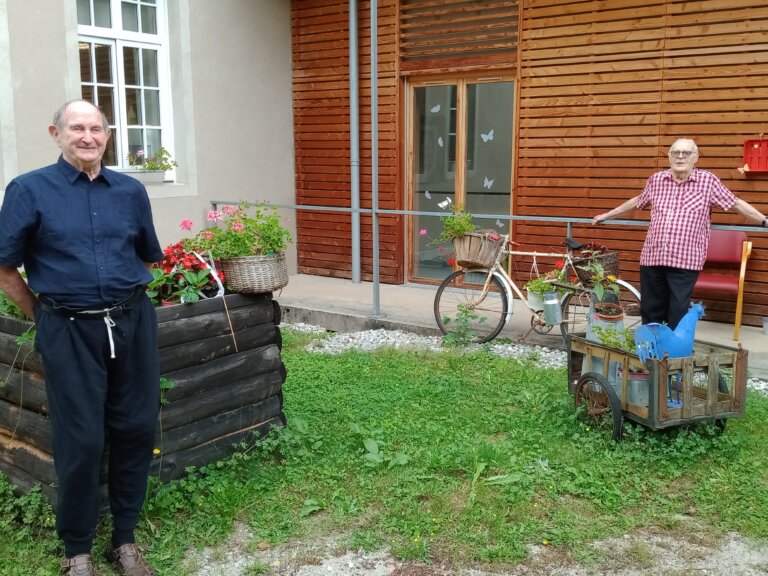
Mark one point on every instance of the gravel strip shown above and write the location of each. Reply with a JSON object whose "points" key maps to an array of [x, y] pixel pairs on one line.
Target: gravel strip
{"points": [[370, 340]]}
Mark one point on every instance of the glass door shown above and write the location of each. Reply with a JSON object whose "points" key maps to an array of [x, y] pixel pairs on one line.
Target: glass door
{"points": [[454, 119]]}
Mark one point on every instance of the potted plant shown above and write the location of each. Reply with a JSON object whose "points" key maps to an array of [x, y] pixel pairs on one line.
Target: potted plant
{"points": [[184, 276], [456, 225], [151, 168], [536, 288], [250, 247], [601, 282]]}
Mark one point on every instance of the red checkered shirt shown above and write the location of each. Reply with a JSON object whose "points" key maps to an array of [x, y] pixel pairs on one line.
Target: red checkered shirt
{"points": [[678, 234]]}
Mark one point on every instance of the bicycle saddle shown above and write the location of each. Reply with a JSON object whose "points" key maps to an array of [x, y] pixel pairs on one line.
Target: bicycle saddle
{"points": [[573, 244]]}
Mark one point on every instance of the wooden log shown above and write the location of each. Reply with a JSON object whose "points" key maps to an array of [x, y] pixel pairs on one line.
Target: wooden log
{"points": [[23, 388], [23, 481], [202, 351], [25, 426], [193, 380], [233, 301], [174, 465], [219, 425], [37, 463], [215, 323], [240, 393], [10, 354]]}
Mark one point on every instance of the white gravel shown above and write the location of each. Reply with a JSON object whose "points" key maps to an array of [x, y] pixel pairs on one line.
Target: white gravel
{"points": [[369, 340]]}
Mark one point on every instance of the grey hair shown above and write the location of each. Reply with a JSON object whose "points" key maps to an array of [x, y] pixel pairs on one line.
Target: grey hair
{"points": [[59, 114], [694, 148]]}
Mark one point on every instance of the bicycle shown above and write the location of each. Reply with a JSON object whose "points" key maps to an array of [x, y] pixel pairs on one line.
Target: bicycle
{"points": [[483, 298]]}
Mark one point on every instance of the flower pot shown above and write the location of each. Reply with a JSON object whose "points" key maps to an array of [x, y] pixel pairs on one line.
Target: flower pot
{"points": [[637, 387], [255, 274], [609, 312]]}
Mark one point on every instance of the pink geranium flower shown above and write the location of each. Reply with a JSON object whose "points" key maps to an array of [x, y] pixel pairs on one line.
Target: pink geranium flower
{"points": [[215, 216], [238, 226], [186, 224]]}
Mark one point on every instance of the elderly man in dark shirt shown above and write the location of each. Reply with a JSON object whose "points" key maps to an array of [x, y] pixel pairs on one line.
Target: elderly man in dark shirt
{"points": [[85, 237]]}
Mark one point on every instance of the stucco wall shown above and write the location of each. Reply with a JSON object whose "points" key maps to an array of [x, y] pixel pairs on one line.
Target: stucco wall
{"points": [[230, 66]]}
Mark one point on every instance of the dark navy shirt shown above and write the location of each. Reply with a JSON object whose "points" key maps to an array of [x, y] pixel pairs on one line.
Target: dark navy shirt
{"points": [[83, 243]]}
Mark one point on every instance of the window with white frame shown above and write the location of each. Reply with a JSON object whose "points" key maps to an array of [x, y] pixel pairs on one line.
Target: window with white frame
{"points": [[124, 70]]}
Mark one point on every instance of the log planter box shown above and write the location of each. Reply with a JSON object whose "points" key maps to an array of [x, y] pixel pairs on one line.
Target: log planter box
{"points": [[222, 356]]}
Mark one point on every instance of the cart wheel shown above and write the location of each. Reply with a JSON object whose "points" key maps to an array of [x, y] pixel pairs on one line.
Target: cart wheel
{"points": [[538, 325], [597, 403]]}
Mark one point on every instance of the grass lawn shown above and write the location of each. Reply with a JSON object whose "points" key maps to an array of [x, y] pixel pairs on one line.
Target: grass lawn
{"points": [[438, 456]]}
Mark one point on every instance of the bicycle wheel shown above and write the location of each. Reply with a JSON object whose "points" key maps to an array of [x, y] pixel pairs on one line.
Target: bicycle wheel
{"points": [[577, 309], [459, 305], [597, 403]]}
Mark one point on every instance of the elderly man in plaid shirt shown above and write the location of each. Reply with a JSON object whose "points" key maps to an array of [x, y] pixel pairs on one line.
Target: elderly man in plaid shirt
{"points": [[681, 200]]}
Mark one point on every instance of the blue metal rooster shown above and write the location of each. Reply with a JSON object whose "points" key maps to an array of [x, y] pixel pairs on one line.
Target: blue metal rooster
{"points": [[654, 340]]}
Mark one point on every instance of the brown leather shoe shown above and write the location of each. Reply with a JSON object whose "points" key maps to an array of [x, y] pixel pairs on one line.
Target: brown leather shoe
{"points": [[81, 565], [128, 561]]}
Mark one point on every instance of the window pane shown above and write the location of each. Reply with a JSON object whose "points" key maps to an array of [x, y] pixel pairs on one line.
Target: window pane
{"points": [[86, 93], [149, 19], [107, 103], [131, 66], [133, 106], [102, 15], [84, 12], [490, 108], [433, 184], [110, 154], [149, 59], [152, 107], [153, 141], [135, 140], [103, 55], [86, 73], [130, 17]]}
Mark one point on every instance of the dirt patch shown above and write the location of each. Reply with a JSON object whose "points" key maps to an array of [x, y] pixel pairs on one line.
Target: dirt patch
{"points": [[688, 552]]}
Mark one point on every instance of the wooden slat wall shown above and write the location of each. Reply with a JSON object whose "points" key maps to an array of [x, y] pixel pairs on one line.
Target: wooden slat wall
{"points": [[606, 87], [449, 34], [320, 32]]}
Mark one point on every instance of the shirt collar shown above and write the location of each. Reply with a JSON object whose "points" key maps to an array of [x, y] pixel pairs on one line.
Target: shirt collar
{"points": [[71, 173], [692, 176]]}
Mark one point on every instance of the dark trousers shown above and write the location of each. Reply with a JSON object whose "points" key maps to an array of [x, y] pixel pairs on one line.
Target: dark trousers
{"points": [[665, 294], [95, 400]]}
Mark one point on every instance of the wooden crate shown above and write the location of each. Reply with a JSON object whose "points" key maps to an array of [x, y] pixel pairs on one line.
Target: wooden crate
{"points": [[227, 372], [694, 380]]}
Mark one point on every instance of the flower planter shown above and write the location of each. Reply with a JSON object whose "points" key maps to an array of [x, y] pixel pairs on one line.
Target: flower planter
{"points": [[227, 388], [147, 176], [535, 300], [255, 274]]}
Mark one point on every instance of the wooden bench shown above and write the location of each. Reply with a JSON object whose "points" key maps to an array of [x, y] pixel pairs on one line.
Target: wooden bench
{"points": [[725, 268]]}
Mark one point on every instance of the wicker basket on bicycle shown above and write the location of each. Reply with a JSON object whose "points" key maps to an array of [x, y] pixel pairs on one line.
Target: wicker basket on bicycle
{"points": [[609, 260], [477, 249]]}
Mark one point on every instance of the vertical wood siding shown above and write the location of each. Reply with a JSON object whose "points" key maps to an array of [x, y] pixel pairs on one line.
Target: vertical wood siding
{"points": [[320, 32], [606, 87]]}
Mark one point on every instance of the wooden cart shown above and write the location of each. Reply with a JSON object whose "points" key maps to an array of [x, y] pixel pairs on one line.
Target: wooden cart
{"points": [[609, 384]]}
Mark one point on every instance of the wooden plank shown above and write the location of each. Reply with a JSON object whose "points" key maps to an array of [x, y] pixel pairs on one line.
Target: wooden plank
{"points": [[23, 388], [194, 379], [250, 390], [25, 426], [174, 465]]}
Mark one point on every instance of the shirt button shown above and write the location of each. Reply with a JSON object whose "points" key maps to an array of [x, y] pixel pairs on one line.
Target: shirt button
{"points": [[94, 213]]}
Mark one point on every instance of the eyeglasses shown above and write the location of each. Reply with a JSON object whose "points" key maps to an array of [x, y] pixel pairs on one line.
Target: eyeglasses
{"points": [[683, 153]]}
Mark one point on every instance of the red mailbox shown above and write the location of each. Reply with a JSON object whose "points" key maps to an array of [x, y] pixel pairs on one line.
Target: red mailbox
{"points": [[756, 155]]}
